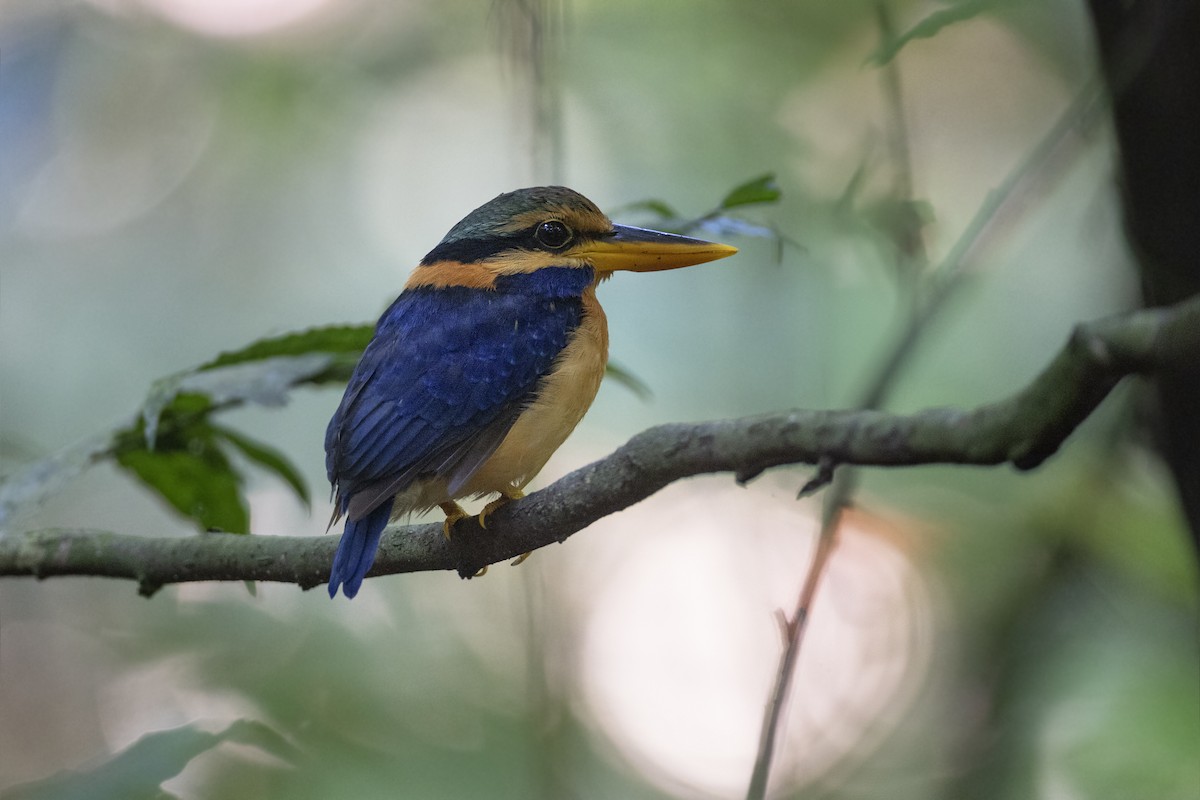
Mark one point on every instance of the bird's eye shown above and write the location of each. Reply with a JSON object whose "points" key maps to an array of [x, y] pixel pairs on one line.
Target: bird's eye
{"points": [[552, 234]]}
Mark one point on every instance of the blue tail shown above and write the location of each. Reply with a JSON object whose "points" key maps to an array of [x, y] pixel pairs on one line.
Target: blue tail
{"points": [[356, 550]]}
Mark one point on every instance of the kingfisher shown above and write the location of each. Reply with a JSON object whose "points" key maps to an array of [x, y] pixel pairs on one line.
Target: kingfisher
{"points": [[483, 365]]}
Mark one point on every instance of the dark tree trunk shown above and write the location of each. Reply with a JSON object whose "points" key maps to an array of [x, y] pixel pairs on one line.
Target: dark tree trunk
{"points": [[1150, 55]]}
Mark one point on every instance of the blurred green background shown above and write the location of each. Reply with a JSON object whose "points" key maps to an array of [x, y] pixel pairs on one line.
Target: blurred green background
{"points": [[180, 177]]}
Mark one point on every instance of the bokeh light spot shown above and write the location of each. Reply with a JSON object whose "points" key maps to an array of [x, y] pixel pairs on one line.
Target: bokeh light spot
{"points": [[681, 649]]}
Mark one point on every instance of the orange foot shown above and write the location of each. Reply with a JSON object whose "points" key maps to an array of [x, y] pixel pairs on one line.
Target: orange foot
{"points": [[454, 513]]}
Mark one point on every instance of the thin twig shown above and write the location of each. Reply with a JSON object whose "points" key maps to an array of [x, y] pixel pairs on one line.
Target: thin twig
{"points": [[1038, 169]]}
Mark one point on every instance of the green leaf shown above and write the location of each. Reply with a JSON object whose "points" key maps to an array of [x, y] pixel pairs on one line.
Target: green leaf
{"points": [[262, 372], [265, 382], [138, 771], [930, 26], [845, 203], [657, 207], [344, 339], [762, 189], [901, 221], [269, 459], [257, 734], [627, 379], [198, 481]]}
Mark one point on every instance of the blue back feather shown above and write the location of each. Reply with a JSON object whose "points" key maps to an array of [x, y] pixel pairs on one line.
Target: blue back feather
{"points": [[436, 390]]}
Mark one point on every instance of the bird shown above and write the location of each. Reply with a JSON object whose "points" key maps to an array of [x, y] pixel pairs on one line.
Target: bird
{"points": [[483, 365]]}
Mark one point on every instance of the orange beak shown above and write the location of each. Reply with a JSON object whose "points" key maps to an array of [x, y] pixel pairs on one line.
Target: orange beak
{"points": [[642, 250]]}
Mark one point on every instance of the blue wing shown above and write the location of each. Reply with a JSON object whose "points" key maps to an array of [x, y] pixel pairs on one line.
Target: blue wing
{"points": [[447, 374]]}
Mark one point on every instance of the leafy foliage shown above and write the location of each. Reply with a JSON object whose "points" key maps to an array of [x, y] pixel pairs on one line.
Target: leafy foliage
{"points": [[140, 770], [177, 451], [196, 478], [269, 459], [762, 190], [627, 379], [930, 26], [344, 340]]}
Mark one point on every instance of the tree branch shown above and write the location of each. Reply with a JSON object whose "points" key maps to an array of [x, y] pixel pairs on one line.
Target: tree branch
{"points": [[1024, 430]]}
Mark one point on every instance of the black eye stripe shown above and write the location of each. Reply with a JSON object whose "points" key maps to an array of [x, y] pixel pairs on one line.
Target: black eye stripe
{"points": [[468, 251], [479, 248]]}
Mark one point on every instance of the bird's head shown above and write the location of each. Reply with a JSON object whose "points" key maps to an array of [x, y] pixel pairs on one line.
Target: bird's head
{"points": [[551, 226]]}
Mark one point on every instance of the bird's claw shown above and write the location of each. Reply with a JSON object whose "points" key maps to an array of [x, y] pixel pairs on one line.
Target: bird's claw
{"points": [[506, 497], [454, 513]]}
